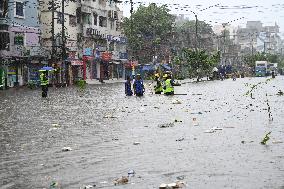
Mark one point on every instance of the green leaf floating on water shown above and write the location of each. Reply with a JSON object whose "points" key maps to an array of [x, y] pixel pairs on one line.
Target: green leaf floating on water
{"points": [[265, 139]]}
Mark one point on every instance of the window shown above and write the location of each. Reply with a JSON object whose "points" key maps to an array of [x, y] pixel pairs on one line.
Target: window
{"points": [[118, 25], [4, 41], [4, 27], [111, 24], [19, 39], [111, 46], [78, 15], [59, 18], [95, 19], [115, 16], [20, 9], [86, 18], [103, 21], [72, 20]]}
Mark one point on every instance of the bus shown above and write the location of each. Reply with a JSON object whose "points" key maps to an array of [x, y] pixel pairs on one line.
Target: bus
{"points": [[272, 67], [261, 68]]}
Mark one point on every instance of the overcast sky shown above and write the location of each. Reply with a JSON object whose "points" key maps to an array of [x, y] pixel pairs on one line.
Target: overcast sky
{"points": [[266, 11]]}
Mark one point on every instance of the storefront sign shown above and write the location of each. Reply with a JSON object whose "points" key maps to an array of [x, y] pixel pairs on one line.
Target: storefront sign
{"points": [[77, 63], [106, 56], [88, 52], [88, 58], [12, 70], [131, 64], [117, 39]]}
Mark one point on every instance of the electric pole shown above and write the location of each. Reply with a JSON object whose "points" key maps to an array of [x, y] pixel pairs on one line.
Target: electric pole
{"points": [[53, 52], [131, 24], [196, 32], [63, 47]]}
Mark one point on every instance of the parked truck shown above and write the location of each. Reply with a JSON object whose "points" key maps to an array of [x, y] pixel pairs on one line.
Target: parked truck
{"points": [[261, 68]]}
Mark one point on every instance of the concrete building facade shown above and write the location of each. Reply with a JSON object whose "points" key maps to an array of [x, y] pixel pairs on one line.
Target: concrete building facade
{"points": [[20, 50]]}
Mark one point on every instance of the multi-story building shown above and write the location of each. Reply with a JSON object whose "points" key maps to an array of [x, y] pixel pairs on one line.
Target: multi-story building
{"points": [[94, 41], [20, 52]]}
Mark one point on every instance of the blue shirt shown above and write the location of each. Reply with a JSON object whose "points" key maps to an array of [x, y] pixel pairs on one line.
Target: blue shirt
{"points": [[128, 90], [139, 87]]}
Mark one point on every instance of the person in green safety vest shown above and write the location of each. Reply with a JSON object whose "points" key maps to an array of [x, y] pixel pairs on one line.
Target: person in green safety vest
{"points": [[44, 83], [168, 87], [158, 87]]}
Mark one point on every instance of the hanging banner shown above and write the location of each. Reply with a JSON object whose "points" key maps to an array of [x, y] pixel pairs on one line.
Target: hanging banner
{"points": [[106, 56]]}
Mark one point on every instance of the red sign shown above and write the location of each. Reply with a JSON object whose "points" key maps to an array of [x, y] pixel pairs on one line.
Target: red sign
{"points": [[106, 56], [131, 64], [86, 58]]}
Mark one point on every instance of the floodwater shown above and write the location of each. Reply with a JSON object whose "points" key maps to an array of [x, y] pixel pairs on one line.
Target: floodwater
{"points": [[102, 125]]}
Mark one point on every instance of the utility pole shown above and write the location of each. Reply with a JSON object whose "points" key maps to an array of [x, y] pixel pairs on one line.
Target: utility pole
{"points": [[131, 23], [53, 52], [63, 47], [196, 38]]}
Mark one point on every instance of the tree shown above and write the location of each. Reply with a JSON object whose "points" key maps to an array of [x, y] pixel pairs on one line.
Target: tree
{"points": [[148, 31], [185, 35], [200, 63], [250, 59]]}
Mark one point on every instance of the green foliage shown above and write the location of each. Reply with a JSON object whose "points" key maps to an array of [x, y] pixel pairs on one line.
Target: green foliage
{"points": [[82, 85], [281, 63], [265, 139], [147, 29], [253, 87], [250, 59], [185, 35], [200, 62], [32, 84]]}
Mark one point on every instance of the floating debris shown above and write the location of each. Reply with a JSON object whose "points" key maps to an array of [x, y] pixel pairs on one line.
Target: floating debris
{"points": [[176, 102], [280, 93], [131, 173], [122, 180], [195, 123], [53, 184], [178, 184], [55, 125], [209, 131], [216, 128], [178, 121], [110, 116], [52, 129], [265, 139], [66, 149], [89, 186], [166, 125], [136, 143], [180, 139], [196, 113]]}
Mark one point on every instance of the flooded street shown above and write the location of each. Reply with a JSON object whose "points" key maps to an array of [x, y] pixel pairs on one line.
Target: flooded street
{"points": [[110, 134]]}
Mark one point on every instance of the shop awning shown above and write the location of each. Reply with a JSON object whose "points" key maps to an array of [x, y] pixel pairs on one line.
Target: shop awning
{"points": [[148, 68], [166, 67]]}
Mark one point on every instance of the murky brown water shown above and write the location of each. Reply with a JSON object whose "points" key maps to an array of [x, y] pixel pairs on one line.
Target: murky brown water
{"points": [[30, 145]]}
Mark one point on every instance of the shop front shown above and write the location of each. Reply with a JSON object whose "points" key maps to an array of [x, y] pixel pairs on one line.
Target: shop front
{"points": [[77, 71]]}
